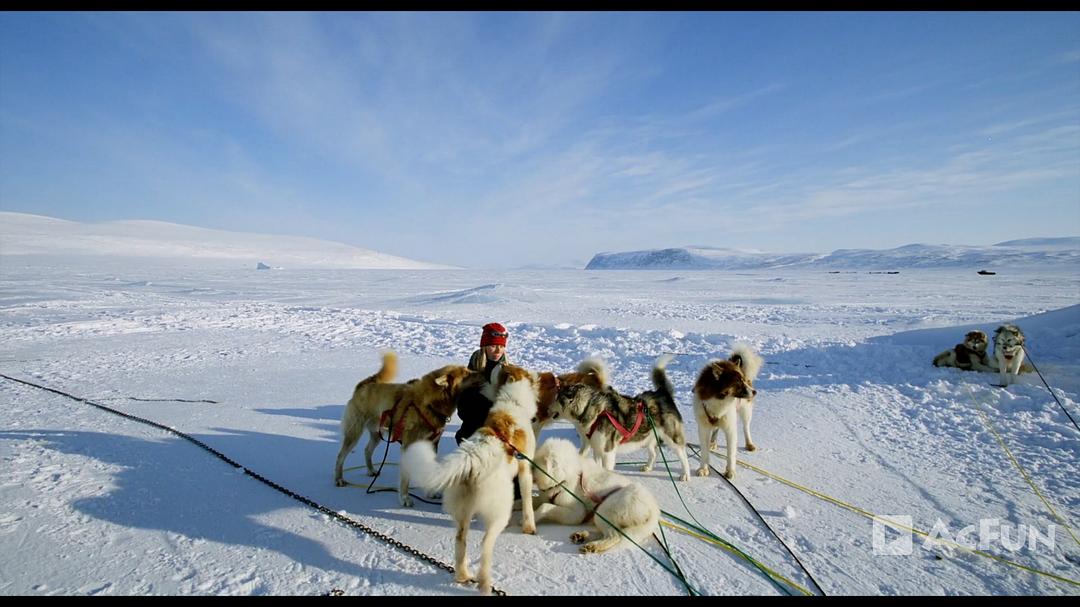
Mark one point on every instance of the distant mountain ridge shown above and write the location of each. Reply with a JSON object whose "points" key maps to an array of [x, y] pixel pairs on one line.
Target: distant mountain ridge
{"points": [[26, 235], [1031, 251]]}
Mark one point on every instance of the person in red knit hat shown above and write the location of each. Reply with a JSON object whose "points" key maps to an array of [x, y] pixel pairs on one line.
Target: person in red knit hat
{"points": [[492, 350], [472, 406]]}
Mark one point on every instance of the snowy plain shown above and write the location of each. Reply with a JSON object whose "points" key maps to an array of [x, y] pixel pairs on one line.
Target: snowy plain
{"points": [[849, 406]]}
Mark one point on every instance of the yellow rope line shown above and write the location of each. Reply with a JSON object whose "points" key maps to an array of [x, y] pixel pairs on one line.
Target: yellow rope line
{"points": [[872, 516], [725, 548], [989, 424]]}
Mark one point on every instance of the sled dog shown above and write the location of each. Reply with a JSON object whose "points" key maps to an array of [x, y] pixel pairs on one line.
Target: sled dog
{"points": [[408, 412], [626, 504], [476, 479], [970, 355], [724, 388], [612, 422], [1009, 353]]}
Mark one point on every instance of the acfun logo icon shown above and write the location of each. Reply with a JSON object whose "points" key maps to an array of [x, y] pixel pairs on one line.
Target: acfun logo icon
{"points": [[898, 526], [892, 536]]}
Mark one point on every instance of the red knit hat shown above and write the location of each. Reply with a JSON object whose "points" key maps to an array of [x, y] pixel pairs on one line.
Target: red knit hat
{"points": [[494, 335]]}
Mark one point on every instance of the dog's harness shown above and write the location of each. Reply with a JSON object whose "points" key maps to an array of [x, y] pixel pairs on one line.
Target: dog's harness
{"points": [[626, 434], [399, 429], [712, 420], [596, 499]]}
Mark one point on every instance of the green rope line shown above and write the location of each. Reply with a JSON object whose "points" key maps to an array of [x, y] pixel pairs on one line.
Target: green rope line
{"points": [[671, 476], [690, 589], [734, 549]]}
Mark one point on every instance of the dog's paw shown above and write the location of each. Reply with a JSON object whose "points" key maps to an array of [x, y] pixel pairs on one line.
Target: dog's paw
{"points": [[646, 468], [685, 477], [528, 529], [703, 471], [729, 474], [340, 482], [588, 548], [407, 501], [751, 447], [579, 537], [463, 577], [713, 446]]}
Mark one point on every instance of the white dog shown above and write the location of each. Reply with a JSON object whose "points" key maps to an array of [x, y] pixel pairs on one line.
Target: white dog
{"points": [[723, 389], [476, 479], [624, 503], [1009, 352]]}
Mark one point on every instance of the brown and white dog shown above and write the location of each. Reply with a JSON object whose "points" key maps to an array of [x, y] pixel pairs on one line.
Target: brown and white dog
{"points": [[409, 412], [476, 478], [723, 389], [970, 355], [1009, 353]]}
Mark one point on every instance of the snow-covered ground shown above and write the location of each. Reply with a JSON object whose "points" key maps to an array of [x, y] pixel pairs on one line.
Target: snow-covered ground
{"points": [[849, 406]]}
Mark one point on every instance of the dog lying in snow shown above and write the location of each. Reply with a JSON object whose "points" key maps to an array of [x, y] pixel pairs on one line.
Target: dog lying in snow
{"points": [[969, 355], [626, 504], [613, 422], [723, 389], [476, 479]]}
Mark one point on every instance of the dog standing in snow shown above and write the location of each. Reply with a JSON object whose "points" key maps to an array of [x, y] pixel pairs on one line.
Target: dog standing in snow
{"points": [[476, 479], [613, 422], [626, 504], [723, 389]]}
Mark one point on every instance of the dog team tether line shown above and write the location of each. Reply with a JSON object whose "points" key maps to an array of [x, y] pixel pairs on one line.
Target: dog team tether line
{"points": [[305, 500], [713, 538], [891, 523], [1051, 390]]}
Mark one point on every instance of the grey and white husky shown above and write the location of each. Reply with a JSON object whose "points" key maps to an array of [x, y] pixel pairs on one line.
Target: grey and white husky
{"points": [[613, 422], [1009, 353]]}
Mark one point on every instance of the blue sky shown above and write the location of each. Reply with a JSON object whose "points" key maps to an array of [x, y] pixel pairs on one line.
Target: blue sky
{"points": [[511, 139]]}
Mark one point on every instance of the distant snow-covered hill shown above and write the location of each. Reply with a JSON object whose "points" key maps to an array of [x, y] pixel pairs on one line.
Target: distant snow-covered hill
{"points": [[1034, 251], [25, 235]]}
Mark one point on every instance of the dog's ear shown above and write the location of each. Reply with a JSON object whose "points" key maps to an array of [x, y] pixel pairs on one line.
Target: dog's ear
{"points": [[442, 381]]}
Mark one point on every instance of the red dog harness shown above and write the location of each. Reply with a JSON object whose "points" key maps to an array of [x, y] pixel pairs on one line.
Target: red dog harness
{"points": [[596, 499], [626, 434], [399, 429]]}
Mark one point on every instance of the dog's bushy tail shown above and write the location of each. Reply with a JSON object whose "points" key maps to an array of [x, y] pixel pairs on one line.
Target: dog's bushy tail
{"points": [[748, 360], [595, 365], [474, 459], [388, 371], [660, 380]]}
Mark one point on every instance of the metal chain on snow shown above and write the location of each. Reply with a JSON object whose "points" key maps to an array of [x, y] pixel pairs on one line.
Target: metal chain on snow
{"points": [[305, 500]]}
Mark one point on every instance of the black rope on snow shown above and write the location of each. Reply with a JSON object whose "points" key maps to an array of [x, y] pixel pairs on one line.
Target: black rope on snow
{"points": [[369, 490], [763, 521], [1052, 393], [302, 499]]}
